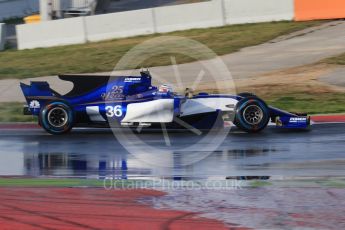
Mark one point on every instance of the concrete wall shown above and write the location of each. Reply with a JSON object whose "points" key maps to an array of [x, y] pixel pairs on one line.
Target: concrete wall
{"points": [[2, 36], [162, 19], [17, 8], [247, 11], [117, 25], [51, 33], [188, 16]]}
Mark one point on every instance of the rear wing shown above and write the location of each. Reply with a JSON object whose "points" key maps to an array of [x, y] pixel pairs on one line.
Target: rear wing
{"points": [[37, 89], [36, 94]]}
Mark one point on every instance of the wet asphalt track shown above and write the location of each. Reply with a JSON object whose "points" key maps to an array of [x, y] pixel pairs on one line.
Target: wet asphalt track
{"points": [[96, 153]]}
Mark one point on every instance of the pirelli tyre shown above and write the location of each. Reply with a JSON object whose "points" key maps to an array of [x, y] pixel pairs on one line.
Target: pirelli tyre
{"points": [[251, 114], [57, 118]]}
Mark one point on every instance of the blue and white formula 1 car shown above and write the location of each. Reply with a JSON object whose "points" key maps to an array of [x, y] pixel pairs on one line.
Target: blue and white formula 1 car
{"points": [[131, 101]]}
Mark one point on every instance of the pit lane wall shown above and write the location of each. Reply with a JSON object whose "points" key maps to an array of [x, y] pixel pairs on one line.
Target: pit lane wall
{"points": [[155, 20], [253, 11]]}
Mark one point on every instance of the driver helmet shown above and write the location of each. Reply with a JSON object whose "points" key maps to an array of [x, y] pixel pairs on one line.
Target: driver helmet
{"points": [[165, 88]]}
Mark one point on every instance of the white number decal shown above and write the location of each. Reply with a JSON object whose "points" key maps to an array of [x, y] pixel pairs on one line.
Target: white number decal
{"points": [[110, 111], [118, 111], [114, 111]]}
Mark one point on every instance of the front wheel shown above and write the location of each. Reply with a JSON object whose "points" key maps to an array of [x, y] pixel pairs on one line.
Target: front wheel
{"points": [[251, 114], [56, 118]]}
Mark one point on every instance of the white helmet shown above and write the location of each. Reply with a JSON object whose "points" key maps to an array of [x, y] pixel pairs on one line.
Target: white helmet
{"points": [[165, 89]]}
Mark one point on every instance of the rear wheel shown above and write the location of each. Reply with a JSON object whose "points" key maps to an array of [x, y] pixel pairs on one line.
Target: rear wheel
{"points": [[251, 114], [56, 118]]}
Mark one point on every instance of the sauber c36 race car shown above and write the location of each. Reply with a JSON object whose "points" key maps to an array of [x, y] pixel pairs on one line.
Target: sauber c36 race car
{"points": [[131, 101]]}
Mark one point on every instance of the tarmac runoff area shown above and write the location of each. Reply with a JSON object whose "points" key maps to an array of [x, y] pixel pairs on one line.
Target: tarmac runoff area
{"points": [[298, 181]]}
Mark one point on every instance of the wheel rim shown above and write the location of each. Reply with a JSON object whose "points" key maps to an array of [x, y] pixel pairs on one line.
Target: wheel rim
{"points": [[253, 114], [57, 117]]}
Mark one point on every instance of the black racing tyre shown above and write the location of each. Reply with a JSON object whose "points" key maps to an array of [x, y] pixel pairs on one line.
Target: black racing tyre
{"points": [[246, 94], [251, 114], [57, 118]]}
